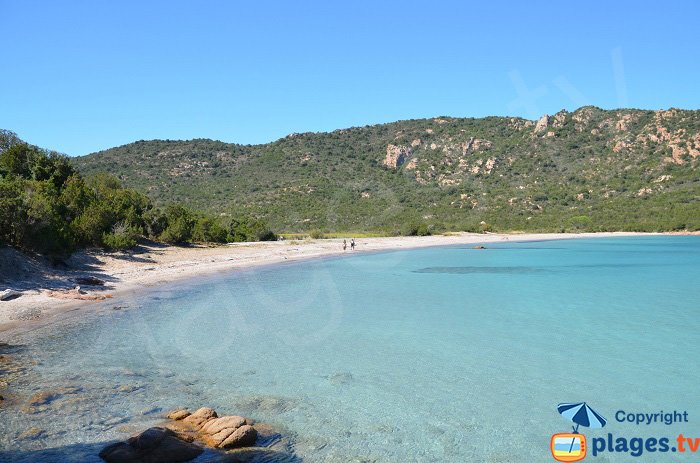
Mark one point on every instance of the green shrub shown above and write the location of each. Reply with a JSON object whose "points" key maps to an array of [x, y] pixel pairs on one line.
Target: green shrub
{"points": [[485, 228], [179, 231], [415, 229], [93, 222], [316, 234], [209, 230], [580, 222], [422, 230], [121, 238], [180, 225], [249, 230], [155, 223], [265, 234]]}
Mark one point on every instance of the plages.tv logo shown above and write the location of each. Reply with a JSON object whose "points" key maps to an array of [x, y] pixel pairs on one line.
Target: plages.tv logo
{"points": [[572, 446]]}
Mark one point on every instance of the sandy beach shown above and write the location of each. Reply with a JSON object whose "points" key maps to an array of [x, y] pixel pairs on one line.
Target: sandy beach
{"points": [[48, 291]]}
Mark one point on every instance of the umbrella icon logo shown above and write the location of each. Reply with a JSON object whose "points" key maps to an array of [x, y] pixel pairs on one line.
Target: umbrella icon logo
{"points": [[570, 447]]}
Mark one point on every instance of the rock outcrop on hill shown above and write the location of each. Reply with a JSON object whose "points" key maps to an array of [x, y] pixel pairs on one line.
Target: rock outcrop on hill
{"points": [[396, 156]]}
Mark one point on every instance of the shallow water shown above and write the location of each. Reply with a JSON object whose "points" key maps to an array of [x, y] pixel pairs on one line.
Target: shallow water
{"points": [[442, 354]]}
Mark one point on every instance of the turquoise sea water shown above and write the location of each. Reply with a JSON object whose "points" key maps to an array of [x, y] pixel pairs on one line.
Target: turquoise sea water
{"points": [[441, 355]]}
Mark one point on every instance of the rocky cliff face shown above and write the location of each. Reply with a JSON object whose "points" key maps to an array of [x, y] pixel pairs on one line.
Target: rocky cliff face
{"points": [[396, 156]]}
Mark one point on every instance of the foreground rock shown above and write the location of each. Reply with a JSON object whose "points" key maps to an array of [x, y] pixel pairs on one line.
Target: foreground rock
{"points": [[154, 445], [185, 437], [89, 281], [221, 432], [9, 294]]}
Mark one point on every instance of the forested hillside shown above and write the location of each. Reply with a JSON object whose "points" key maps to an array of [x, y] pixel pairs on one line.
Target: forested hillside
{"points": [[591, 169], [49, 208]]}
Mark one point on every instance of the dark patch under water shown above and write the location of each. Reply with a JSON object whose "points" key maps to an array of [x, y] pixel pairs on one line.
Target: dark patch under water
{"points": [[520, 270], [488, 270], [509, 247], [638, 265]]}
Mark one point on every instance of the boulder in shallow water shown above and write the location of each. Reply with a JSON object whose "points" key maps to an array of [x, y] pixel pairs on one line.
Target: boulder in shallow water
{"points": [[219, 424], [217, 432], [242, 437], [154, 445], [200, 417], [178, 414], [224, 432], [229, 439]]}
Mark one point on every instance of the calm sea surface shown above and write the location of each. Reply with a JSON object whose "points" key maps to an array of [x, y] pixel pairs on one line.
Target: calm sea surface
{"points": [[433, 355]]}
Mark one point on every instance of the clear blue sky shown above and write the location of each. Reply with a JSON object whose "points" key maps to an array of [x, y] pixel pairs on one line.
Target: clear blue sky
{"points": [[80, 76]]}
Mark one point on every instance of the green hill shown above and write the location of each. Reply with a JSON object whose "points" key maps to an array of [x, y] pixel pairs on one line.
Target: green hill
{"points": [[591, 169]]}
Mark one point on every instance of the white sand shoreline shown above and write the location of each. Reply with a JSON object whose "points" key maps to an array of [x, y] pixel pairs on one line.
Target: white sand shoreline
{"points": [[128, 274]]}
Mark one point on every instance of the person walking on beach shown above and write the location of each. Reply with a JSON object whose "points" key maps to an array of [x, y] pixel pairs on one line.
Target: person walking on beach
{"points": [[352, 244], [345, 244]]}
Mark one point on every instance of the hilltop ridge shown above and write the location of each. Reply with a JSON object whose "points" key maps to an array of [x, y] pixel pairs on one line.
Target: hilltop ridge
{"points": [[590, 169]]}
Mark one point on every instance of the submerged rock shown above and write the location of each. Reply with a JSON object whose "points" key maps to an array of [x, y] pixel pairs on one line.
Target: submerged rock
{"points": [[272, 404], [32, 433], [339, 379], [150, 411], [49, 396], [127, 388], [43, 398]]}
